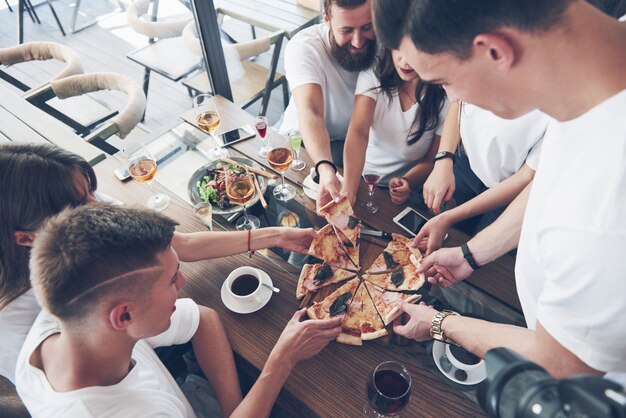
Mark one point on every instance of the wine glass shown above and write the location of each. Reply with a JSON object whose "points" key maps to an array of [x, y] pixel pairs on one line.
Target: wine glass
{"points": [[295, 142], [260, 123], [204, 212], [371, 179], [240, 190], [208, 119], [388, 390], [280, 159], [143, 168]]}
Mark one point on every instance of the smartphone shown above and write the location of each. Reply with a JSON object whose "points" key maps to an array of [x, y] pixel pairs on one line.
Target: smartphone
{"points": [[410, 220], [236, 135]]}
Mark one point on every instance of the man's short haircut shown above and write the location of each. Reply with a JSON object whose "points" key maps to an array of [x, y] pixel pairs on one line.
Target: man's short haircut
{"points": [[95, 251], [344, 4], [450, 26]]}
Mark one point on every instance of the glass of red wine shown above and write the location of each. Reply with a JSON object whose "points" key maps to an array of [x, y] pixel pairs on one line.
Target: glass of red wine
{"points": [[260, 123], [371, 179], [388, 390]]}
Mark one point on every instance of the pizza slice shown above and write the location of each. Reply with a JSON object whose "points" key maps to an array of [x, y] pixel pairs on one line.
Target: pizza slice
{"points": [[386, 302], [351, 326], [341, 215], [315, 276], [397, 253], [372, 325], [335, 303], [328, 248], [351, 249], [404, 279]]}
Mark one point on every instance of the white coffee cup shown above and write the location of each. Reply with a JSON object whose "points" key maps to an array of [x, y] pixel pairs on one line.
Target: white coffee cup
{"points": [[244, 285], [469, 368]]}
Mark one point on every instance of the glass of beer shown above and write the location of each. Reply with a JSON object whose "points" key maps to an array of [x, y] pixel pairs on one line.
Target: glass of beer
{"points": [[260, 124], [208, 119], [240, 190], [204, 212], [295, 142], [280, 159], [142, 167]]}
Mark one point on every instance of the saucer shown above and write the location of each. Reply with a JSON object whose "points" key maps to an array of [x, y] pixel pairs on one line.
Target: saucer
{"points": [[246, 308], [474, 376], [310, 187]]}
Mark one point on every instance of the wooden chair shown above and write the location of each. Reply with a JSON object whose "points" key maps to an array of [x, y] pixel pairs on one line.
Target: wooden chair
{"points": [[249, 81], [166, 53], [82, 113]]}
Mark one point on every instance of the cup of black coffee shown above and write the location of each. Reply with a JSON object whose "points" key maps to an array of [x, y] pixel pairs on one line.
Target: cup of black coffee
{"points": [[463, 359], [244, 284]]}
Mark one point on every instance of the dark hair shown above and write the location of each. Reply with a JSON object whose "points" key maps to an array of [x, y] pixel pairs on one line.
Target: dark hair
{"points": [[430, 97], [94, 250], [344, 4], [450, 26], [615, 8], [36, 181]]}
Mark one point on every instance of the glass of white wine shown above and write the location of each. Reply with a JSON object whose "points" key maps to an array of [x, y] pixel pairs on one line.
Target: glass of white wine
{"points": [[204, 212], [240, 191], [142, 167], [208, 119]]}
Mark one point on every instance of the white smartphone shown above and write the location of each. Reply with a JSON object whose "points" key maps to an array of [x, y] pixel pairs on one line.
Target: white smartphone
{"points": [[410, 220]]}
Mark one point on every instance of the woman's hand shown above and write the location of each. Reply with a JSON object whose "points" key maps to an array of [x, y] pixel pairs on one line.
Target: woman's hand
{"points": [[399, 190], [432, 234], [296, 239], [439, 186]]}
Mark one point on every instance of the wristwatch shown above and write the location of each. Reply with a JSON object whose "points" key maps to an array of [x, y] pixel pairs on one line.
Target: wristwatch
{"points": [[435, 327], [444, 154]]}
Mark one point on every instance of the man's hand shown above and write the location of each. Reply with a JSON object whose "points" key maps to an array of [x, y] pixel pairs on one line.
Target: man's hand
{"points": [[439, 186], [418, 326], [430, 237], [302, 340], [329, 186], [445, 266], [296, 239], [399, 190]]}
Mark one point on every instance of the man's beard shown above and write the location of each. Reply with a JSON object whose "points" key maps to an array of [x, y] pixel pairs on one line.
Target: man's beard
{"points": [[349, 60]]}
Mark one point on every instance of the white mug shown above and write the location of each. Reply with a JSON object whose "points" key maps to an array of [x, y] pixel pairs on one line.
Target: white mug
{"points": [[242, 288], [456, 363]]}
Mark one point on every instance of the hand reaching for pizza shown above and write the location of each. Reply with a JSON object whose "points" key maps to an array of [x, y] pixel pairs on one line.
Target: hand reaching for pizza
{"points": [[329, 186], [301, 340], [418, 326], [432, 234], [445, 266], [296, 239]]}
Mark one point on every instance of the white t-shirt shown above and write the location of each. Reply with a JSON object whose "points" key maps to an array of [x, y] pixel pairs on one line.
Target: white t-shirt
{"points": [[571, 268], [387, 151], [497, 147], [148, 390], [18, 316], [308, 61]]}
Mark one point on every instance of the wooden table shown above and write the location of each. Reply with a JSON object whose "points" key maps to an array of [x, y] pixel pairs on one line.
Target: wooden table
{"points": [[333, 383], [20, 121]]}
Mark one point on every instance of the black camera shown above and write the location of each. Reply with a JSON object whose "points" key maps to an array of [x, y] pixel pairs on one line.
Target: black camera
{"points": [[518, 388]]}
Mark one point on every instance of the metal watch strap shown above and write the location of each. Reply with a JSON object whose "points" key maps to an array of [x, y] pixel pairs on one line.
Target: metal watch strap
{"points": [[435, 327], [467, 254]]}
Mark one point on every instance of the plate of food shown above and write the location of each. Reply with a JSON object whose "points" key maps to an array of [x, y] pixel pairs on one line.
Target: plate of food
{"points": [[208, 184]]}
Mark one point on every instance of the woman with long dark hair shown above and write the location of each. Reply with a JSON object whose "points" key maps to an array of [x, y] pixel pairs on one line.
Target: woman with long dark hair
{"points": [[395, 127]]}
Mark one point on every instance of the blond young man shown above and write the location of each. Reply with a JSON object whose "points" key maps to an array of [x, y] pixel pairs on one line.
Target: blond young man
{"points": [[108, 279]]}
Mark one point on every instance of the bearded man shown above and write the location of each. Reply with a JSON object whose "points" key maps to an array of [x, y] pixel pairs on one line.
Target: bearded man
{"points": [[322, 65]]}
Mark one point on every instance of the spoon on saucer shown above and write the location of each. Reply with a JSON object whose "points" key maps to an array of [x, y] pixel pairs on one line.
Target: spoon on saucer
{"points": [[272, 288]]}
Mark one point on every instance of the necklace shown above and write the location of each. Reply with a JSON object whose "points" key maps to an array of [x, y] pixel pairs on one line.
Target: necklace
{"points": [[406, 92]]}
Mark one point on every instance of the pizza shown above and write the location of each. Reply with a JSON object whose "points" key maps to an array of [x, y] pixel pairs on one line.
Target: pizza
{"points": [[315, 276], [329, 248], [341, 216], [402, 279], [351, 249], [362, 321], [398, 253], [335, 303], [386, 301]]}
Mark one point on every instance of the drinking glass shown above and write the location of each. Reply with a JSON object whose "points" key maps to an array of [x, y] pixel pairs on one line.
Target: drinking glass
{"points": [[295, 142], [240, 190], [260, 123], [142, 167], [371, 179], [388, 390], [204, 212], [280, 159], [208, 119]]}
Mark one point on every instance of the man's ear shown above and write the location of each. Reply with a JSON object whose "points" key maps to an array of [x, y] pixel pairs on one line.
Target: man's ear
{"points": [[121, 316], [496, 47], [325, 17], [24, 238]]}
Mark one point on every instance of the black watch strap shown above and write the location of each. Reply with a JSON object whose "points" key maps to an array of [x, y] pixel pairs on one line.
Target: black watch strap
{"points": [[444, 154], [467, 254], [316, 177]]}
